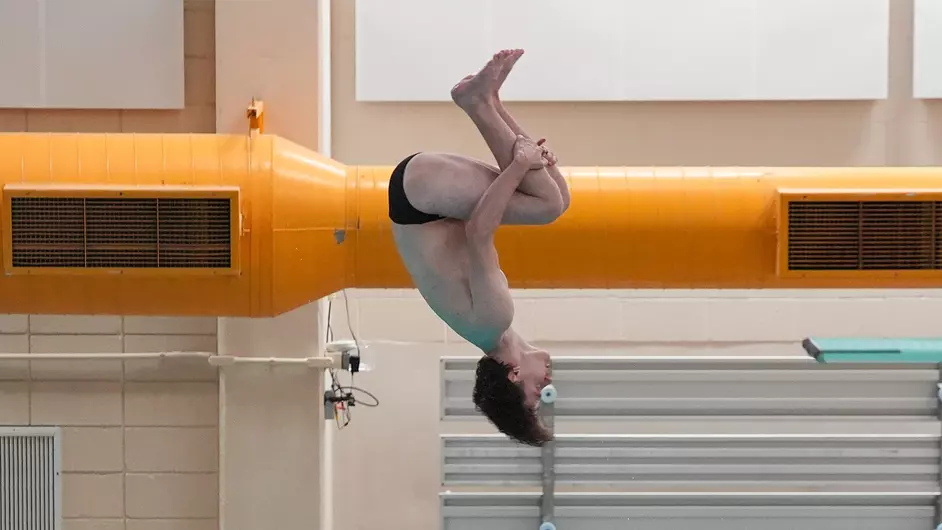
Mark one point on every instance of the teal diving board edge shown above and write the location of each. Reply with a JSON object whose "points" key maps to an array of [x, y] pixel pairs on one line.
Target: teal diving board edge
{"points": [[915, 351]]}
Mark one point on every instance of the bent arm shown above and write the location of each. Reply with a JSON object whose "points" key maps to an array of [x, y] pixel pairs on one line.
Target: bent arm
{"points": [[486, 216], [552, 171], [492, 307]]}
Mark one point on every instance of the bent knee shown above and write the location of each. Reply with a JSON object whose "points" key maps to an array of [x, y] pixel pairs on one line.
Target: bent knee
{"points": [[420, 180], [423, 166], [551, 208], [544, 213]]}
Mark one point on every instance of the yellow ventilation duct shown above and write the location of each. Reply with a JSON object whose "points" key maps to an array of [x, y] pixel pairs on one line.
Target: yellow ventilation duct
{"points": [[256, 226]]}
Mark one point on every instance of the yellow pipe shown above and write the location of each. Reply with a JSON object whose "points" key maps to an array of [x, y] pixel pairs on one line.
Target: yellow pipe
{"points": [[312, 226]]}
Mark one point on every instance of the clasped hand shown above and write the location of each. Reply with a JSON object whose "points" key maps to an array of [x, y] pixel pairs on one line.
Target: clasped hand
{"points": [[534, 154]]}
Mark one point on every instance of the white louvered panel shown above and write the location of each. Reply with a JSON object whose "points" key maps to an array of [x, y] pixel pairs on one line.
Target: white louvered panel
{"points": [[29, 478], [753, 510], [725, 462], [724, 389], [790, 466]]}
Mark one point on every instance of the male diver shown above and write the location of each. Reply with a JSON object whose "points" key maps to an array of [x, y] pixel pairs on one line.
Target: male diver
{"points": [[445, 209]]}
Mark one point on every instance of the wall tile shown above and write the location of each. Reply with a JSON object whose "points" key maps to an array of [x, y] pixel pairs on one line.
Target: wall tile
{"points": [[93, 524], [14, 370], [576, 319], [14, 344], [92, 495], [173, 524], [14, 323], [135, 325], [752, 319], [192, 119], [159, 343], [199, 5], [842, 317], [76, 403], [172, 495], [92, 449], [200, 81], [908, 318], [75, 324], [340, 324], [176, 369], [14, 403], [398, 319], [199, 40], [95, 370], [12, 120], [171, 404], [69, 121], [167, 449], [667, 320]]}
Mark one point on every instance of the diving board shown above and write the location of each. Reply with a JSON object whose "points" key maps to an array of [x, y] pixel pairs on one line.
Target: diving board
{"points": [[895, 351]]}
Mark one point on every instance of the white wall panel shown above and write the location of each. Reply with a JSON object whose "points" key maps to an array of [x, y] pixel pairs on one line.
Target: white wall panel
{"points": [[689, 50], [628, 50], [92, 54], [822, 49], [20, 52], [567, 45], [927, 49], [416, 50]]}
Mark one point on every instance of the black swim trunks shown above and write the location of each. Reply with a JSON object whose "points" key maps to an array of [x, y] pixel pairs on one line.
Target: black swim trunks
{"points": [[401, 210]]}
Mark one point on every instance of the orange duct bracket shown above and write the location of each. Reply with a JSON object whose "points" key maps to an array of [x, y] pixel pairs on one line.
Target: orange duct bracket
{"points": [[256, 115], [302, 226]]}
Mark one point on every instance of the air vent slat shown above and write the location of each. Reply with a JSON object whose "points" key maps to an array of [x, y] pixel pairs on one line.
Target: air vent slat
{"points": [[937, 222], [864, 235], [110, 233]]}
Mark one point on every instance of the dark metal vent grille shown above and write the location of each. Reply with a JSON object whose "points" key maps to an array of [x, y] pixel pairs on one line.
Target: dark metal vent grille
{"points": [[90, 233], [863, 235], [938, 237]]}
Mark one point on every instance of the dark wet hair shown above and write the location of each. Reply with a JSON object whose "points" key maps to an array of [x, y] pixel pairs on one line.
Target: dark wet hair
{"points": [[502, 401]]}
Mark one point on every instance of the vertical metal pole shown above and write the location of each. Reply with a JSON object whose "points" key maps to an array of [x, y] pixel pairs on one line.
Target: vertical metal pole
{"points": [[547, 512], [548, 460], [938, 500]]}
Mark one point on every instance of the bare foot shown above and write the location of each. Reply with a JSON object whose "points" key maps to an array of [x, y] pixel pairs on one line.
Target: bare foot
{"points": [[478, 88], [506, 66]]}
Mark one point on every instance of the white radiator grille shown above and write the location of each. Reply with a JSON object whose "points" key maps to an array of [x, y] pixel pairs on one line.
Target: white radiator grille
{"points": [[30, 469]]}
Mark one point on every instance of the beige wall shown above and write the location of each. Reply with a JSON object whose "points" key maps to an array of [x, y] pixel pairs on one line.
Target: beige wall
{"points": [[398, 440], [139, 437], [272, 442], [899, 131], [174, 445], [390, 455]]}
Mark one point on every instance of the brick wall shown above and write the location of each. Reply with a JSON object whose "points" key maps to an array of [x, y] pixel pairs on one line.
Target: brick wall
{"points": [[140, 437]]}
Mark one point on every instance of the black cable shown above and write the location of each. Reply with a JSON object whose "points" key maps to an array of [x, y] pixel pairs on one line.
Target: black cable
{"points": [[340, 393], [346, 305], [353, 389], [330, 330]]}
